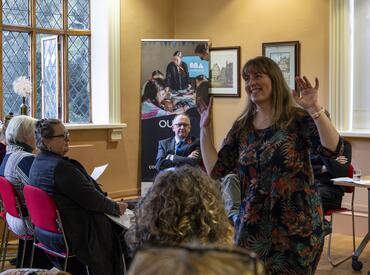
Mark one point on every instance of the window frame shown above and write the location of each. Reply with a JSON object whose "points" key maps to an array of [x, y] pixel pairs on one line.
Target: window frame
{"points": [[341, 68], [32, 31]]}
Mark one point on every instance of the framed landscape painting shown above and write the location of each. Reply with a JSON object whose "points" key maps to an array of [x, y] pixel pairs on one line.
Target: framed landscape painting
{"points": [[287, 56], [224, 67]]}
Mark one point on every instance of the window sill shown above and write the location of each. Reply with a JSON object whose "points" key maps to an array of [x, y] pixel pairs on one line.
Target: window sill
{"points": [[114, 133], [358, 134], [90, 126]]}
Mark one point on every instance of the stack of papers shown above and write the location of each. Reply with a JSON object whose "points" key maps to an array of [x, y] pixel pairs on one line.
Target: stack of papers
{"points": [[343, 179], [350, 180], [123, 220]]}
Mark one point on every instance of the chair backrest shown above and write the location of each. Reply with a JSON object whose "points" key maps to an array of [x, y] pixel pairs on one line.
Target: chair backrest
{"points": [[349, 189], [9, 197], [42, 208]]}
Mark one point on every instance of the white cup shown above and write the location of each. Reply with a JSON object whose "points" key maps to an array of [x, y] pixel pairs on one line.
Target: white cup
{"points": [[356, 174]]}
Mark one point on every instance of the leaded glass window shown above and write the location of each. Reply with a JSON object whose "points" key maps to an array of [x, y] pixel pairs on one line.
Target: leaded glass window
{"points": [[15, 12], [78, 78], [55, 57], [15, 64], [49, 14]]}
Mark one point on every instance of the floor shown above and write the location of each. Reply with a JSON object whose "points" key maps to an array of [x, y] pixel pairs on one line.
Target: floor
{"points": [[341, 246]]}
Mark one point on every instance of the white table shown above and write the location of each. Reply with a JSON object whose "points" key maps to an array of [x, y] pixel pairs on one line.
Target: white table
{"points": [[363, 183]]}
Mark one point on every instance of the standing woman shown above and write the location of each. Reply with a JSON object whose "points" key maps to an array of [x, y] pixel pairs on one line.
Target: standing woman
{"points": [[280, 217], [177, 74]]}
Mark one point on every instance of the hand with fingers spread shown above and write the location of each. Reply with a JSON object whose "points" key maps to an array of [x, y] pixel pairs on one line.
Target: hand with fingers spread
{"points": [[205, 112], [308, 95]]}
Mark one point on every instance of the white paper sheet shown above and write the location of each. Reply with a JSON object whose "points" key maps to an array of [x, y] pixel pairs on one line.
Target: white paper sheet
{"points": [[350, 180], [343, 179], [364, 182], [98, 171], [123, 220]]}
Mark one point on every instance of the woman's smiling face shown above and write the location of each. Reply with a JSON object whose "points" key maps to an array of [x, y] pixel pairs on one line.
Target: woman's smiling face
{"points": [[258, 87]]}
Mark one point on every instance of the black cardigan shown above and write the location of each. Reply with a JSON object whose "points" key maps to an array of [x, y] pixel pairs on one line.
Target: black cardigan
{"points": [[82, 204]]}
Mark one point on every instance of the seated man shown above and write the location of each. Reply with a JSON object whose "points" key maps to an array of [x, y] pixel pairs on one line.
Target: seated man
{"points": [[180, 149], [326, 169]]}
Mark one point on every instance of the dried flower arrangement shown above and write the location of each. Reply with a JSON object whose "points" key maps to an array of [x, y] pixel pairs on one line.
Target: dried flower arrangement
{"points": [[22, 86]]}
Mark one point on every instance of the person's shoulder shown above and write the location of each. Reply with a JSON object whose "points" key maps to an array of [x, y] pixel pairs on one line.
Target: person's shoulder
{"points": [[21, 157], [192, 140], [166, 140]]}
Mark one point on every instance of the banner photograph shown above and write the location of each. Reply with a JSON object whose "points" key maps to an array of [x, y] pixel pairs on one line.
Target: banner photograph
{"points": [[173, 76]]}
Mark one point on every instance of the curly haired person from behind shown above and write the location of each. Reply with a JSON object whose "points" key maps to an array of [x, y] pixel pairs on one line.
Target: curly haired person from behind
{"points": [[184, 205], [195, 259]]}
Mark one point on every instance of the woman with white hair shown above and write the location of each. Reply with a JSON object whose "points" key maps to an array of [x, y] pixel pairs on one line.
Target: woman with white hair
{"points": [[20, 142]]}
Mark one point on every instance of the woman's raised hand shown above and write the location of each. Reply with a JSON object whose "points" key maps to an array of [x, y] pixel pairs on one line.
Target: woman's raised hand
{"points": [[308, 95], [205, 112]]}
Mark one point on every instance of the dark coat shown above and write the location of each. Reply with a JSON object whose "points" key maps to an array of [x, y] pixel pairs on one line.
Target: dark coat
{"points": [[82, 204], [331, 195], [177, 80], [167, 147], [202, 92]]}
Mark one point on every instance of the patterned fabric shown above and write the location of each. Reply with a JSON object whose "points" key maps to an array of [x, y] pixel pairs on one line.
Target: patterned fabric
{"points": [[280, 216], [15, 168]]}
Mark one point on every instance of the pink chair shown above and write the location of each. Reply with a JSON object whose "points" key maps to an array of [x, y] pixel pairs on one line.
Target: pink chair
{"points": [[331, 212], [12, 206], [45, 215]]}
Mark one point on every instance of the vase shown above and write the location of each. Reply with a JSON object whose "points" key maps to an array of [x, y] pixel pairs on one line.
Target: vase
{"points": [[24, 107]]}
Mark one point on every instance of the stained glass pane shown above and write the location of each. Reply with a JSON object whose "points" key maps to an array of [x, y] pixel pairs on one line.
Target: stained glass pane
{"points": [[15, 12], [15, 64], [78, 79], [78, 14], [49, 14]]}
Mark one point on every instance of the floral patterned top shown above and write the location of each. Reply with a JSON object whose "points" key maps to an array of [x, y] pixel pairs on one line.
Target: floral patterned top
{"points": [[280, 217]]}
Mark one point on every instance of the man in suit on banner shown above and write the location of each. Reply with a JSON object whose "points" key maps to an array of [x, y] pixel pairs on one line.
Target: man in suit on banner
{"points": [[181, 149]]}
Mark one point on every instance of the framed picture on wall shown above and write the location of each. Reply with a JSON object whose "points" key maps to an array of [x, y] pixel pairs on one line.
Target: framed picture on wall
{"points": [[287, 56], [224, 64]]}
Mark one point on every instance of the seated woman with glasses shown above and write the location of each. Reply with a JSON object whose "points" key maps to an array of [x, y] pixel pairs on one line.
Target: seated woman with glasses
{"points": [[92, 237], [183, 205]]}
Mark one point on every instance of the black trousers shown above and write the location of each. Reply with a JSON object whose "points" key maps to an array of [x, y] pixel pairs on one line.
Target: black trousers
{"points": [[331, 196]]}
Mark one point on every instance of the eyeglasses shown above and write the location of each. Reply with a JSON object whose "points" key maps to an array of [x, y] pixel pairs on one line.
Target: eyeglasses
{"points": [[65, 135], [182, 124]]}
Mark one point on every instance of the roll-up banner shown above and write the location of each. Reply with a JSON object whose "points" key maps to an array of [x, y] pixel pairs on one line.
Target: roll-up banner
{"points": [[159, 106]]}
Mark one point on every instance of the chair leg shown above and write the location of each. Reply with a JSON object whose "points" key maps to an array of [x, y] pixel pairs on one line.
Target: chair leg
{"points": [[3, 240], [5, 248], [32, 255], [65, 263], [124, 266], [334, 264], [23, 252]]}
